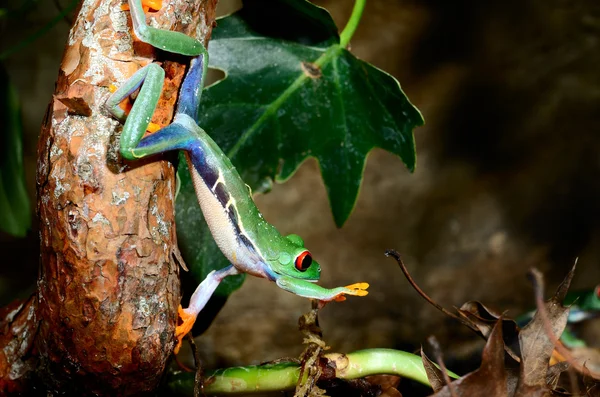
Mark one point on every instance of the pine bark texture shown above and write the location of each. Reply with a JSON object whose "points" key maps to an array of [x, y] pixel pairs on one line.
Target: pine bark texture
{"points": [[18, 326], [103, 318]]}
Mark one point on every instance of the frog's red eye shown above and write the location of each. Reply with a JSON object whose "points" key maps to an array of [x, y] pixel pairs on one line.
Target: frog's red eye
{"points": [[598, 291], [303, 261]]}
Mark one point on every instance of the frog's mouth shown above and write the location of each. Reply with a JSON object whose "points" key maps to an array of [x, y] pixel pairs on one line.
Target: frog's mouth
{"points": [[273, 275]]}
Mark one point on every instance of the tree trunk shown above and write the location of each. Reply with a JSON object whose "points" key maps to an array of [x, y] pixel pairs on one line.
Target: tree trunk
{"points": [[108, 287]]}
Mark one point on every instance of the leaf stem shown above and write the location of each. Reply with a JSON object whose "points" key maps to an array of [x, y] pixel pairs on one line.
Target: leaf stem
{"points": [[284, 375], [348, 32]]}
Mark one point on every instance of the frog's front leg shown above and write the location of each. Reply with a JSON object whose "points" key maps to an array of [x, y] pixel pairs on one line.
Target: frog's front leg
{"points": [[150, 78], [198, 300], [310, 290], [165, 40]]}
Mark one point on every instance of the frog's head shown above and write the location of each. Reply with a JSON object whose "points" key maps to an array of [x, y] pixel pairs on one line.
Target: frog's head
{"points": [[294, 260]]}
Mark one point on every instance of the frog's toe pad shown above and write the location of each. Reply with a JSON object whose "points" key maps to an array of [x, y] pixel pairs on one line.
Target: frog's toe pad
{"points": [[185, 326], [153, 127], [358, 289]]}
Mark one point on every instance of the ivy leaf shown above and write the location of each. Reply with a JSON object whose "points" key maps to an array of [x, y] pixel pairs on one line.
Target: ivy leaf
{"points": [[15, 215], [198, 248], [292, 92]]}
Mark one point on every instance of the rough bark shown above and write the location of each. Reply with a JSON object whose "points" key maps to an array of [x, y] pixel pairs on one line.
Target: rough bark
{"points": [[103, 319], [18, 327]]}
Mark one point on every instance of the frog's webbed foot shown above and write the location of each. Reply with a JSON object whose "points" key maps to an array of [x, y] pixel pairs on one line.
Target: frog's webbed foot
{"points": [[198, 300], [356, 289], [186, 321]]}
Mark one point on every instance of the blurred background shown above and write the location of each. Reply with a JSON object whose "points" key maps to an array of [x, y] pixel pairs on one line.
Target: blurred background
{"points": [[507, 176]]}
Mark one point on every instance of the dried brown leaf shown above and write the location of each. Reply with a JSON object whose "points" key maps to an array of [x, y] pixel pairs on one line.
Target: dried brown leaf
{"points": [[484, 319], [592, 386], [387, 383], [532, 391], [554, 372], [536, 345], [538, 282], [434, 374], [490, 379], [513, 374], [391, 392]]}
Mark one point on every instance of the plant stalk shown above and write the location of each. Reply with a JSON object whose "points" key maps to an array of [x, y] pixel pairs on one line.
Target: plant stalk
{"points": [[348, 32], [284, 376]]}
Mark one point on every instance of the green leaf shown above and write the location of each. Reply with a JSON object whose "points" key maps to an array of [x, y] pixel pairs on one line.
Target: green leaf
{"points": [[15, 215], [197, 245], [270, 114], [292, 92]]}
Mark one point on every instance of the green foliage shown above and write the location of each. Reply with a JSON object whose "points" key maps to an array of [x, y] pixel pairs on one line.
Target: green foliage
{"points": [[15, 216], [292, 92]]}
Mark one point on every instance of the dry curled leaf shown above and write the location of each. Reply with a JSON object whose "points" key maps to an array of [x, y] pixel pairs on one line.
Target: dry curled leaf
{"points": [[536, 345], [489, 378], [434, 374], [386, 383], [484, 320]]}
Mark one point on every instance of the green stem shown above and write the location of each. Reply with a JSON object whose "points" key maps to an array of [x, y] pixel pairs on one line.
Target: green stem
{"points": [[284, 376], [331, 53], [348, 32]]}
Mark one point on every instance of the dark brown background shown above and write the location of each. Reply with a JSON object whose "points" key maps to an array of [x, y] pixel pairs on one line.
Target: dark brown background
{"points": [[507, 175]]}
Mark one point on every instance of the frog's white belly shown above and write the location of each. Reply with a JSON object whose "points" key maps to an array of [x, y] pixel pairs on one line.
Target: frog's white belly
{"points": [[217, 218], [228, 236]]}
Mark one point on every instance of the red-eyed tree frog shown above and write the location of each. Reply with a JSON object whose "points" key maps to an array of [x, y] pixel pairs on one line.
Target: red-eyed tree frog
{"points": [[583, 305], [250, 243]]}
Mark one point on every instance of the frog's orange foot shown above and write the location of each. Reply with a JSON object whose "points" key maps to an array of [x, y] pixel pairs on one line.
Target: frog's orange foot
{"points": [[556, 358], [152, 4], [358, 289], [184, 327], [147, 5]]}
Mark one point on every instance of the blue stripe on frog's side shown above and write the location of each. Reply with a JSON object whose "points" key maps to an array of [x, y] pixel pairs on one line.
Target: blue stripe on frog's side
{"points": [[215, 198]]}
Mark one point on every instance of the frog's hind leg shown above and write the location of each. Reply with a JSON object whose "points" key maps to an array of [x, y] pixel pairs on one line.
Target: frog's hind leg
{"points": [[175, 136], [198, 300], [165, 40], [191, 88]]}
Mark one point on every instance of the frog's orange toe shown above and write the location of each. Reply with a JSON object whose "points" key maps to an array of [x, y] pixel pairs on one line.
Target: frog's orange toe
{"points": [[556, 358], [147, 5], [152, 4], [187, 322], [358, 289], [153, 127]]}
